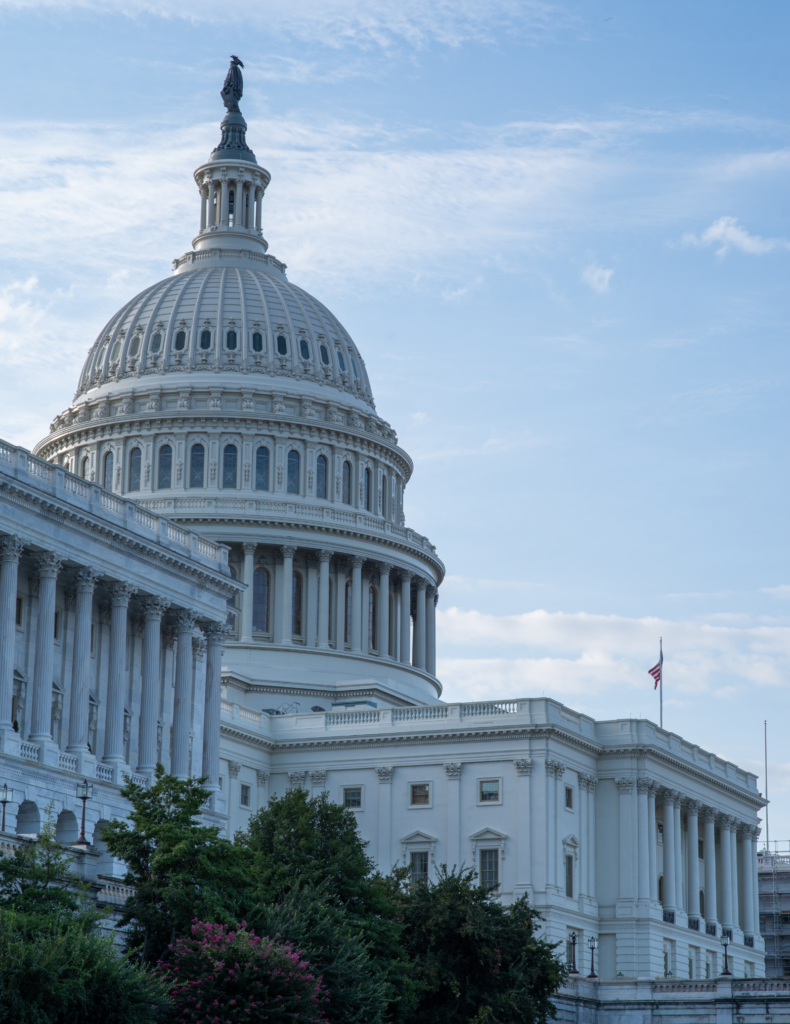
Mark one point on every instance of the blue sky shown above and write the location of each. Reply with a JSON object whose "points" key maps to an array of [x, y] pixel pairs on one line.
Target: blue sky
{"points": [[559, 235]]}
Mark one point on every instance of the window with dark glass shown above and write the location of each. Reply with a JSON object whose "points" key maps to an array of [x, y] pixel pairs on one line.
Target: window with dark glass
{"points": [[346, 483], [661, 889], [296, 618], [245, 795], [84, 467], [354, 368], [489, 868], [282, 344], [260, 600], [368, 488], [262, 469], [135, 461], [321, 472], [205, 339], [324, 355], [420, 794], [108, 467], [231, 603], [165, 467], [384, 498], [181, 341], [702, 902], [230, 458], [257, 341], [231, 340], [156, 342], [293, 472], [418, 864], [701, 849], [134, 348], [341, 361], [347, 624], [569, 797], [231, 206], [372, 618], [197, 458], [352, 797], [569, 874], [489, 791], [304, 348]]}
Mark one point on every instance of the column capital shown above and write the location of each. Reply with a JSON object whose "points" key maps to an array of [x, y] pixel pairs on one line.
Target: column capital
{"points": [[624, 785], [318, 778], [725, 822], [386, 567], [11, 548], [234, 767], [421, 583], [312, 560], [325, 555], [385, 775], [262, 776], [693, 807], [155, 607], [288, 550], [296, 780], [121, 593], [249, 547], [86, 579], [185, 620], [708, 814], [199, 645], [643, 785], [216, 633], [406, 575], [453, 770], [357, 561], [523, 766], [48, 564], [555, 768]]}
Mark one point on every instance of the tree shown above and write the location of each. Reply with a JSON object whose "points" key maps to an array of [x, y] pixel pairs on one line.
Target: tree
{"points": [[54, 971], [475, 960], [219, 974], [178, 867]]}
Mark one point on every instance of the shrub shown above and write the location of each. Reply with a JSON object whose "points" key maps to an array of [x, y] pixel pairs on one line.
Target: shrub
{"points": [[221, 976]]}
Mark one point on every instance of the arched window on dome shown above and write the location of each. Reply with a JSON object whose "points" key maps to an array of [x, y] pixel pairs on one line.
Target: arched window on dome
{"points": [[205, 340], [116, 352], [321, 473], [257, 341], [231, 602], [304, 348], [325, 355], [293, 472], [108, 469], [156, 342], [282, 345], [197, 460], [354, 367], [134, 346], [296, 618], [346, 483], [341, 361], [384, 497], [230, 458], [165, 475], [368, 489], [262, 469], [231, 340], [347, 624], [135, 461], [181, 341], [260, 600], [84, 467], [372, 616]]}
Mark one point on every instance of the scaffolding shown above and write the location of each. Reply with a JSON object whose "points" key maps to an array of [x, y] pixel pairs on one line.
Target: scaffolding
{"points": [[773, 873]]}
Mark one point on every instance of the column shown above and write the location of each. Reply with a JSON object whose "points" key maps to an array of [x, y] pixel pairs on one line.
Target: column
{"points": [[755, 879], [383, 626], [324, 558], [736, 916], [258, 210], [48, 564], [419, 624], [431, 597], [749, 927], [524, 773], [679, 901], [726, 871], [340, 606], [643, 828], [356, 603], [179, 764], [10, 553], [693, 850], [210, 218], [215, 637], [287, 596], [651, 818], [203, 193], [311, 626], [591, 887], [385, 818], [86, 580], [709, 843], [453, 772], [113, 731], [405, 617], [223, 211], [249, 549], [625, 788], [153, 610], [669, 849]]}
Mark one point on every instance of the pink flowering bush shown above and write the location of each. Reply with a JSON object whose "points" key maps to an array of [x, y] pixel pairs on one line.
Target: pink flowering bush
{"points": [[221, 976]]}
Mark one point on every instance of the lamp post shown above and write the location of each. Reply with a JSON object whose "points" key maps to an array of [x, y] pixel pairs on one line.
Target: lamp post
{"points": [[572, 968], [725, 941], [592, 942], [84, 793], [5, 796]]}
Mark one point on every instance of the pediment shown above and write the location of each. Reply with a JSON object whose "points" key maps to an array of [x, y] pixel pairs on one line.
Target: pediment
{"points": [[487, 835], [571, 841], [419, 837]]}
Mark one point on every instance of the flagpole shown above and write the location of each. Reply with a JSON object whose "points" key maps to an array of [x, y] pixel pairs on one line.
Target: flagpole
{"points": [[661, 680]]}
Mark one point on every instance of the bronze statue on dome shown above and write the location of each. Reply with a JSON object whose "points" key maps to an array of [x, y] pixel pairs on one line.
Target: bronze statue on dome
{"points": [[233, 88]]}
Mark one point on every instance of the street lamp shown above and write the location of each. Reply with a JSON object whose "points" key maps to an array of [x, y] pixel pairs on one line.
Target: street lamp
{"points": [[5, 796], [572, 968], [592, 942], [725, 941], [84, 793]]}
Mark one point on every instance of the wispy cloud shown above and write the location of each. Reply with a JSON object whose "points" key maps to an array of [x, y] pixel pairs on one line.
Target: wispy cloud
{"points": [[597, 278], [727, 233]]}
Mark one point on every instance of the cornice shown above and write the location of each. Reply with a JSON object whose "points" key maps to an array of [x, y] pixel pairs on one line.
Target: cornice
{"points": [[228, 679]]}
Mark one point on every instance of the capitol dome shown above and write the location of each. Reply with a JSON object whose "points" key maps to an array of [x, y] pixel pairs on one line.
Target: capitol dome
{"points": [[230, 400]]}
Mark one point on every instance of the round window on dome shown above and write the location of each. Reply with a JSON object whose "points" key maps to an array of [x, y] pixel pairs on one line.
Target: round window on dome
{"points": [[181, 341], [134, 348], [156, 342], [230, 340], [205, 339], [304, 348], [341, 361], [282, 345], [257, 342], [324, 355]]}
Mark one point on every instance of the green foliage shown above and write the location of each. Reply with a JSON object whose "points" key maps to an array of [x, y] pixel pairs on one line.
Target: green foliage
{"points": [[37, 879], [476, 961], [179, 868], [235, 974], [58, 972]]}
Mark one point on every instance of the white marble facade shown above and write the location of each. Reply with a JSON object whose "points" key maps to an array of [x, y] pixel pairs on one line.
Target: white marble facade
{"points": [[223, 461]]}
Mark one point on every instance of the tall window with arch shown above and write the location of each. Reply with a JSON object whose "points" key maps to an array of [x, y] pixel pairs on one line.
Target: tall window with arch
{"points": [[231, 602], [372, 616], [262, 469], [84, 467], [135, 463], [260, 600], [230, 458], [165, 475], [296, 618], [197, 462], [321, 474], [368, 489], [384, 497], [293, 472], [108, 470], [346, 483], [347, 625]]}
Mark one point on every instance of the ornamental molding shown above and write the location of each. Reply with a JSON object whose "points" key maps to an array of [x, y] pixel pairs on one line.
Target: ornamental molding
{"points": [[297, 780], [417, 841], [454, 771], [385, 775], [234, 767], [523, 767], [318, 779]]}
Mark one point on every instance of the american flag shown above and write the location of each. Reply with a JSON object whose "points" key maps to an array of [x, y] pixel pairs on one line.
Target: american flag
{"points": [[656, 670]]}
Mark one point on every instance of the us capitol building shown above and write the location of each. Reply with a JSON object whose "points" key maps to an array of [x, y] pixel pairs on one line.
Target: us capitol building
{"points": [[206, 563]]}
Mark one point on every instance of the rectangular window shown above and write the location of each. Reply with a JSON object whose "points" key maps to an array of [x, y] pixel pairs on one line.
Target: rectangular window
{"points": [[701, 849], [352, 797], [420, 794], [19, 611], [489, 791], [419, 866], [660, 832], [56, 633], [569, 798], [245, 795], [569, 875], [220, 782], [569, 953], [489, 868]]}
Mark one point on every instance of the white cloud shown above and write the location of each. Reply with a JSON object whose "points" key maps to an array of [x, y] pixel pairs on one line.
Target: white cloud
{"points": [[727, 233], [597, 278], [782, 591]]}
